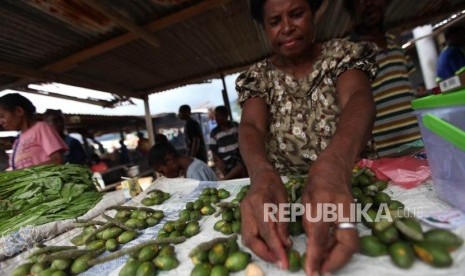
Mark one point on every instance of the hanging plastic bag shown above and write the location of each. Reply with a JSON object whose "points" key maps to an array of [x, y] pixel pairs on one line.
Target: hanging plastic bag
{"points": [[406, 171]]}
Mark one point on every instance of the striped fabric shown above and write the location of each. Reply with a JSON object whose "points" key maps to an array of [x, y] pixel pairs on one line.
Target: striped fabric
{"points": [[225, 143], [395, 123]]}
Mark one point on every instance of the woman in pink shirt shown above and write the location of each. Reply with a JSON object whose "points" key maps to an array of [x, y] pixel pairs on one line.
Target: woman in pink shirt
{"points": [[38, 143]]}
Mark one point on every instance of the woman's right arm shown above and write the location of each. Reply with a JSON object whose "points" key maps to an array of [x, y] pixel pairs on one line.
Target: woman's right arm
{"points": [[252, 135], [265, 236]]}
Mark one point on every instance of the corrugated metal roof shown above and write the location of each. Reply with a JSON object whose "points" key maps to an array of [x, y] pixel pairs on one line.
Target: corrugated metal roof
{"points": [[198, 40]]}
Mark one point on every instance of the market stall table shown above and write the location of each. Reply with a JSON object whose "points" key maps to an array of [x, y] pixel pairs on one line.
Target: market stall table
{"points": [[420, 199], [27, 236]]}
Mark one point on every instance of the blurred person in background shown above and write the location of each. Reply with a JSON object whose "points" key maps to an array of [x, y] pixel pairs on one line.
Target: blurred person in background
{"points": [[97, 164], [123, 151], [38, 142], [75, 153], [143, 144], [193, 134], [161, 138], [452, 57], [396, 127], [4, 159], [224, 144], [166, 160]]}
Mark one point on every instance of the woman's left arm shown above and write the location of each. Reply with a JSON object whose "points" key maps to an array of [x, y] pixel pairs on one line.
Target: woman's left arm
{"points": [[329, 177], [56, 158]]}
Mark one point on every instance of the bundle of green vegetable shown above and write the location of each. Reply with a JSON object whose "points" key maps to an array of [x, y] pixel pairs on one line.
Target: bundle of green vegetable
{"points": [[43, 194]]}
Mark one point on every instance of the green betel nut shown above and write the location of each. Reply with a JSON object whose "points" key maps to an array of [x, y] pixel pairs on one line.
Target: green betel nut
{"points": [[126, 237], [218, 254], [111, 233], [166, 262], [237, 261], [432, 254], [60, 264], [96, 245], [200, 257], [130, 268], [81, 264], [146, 269], [22, 270], [402, 254], [372, 246], [111, 245], [444, 238], [167, 250], [148, 253], [202, 269], [192, 229], [219, 270]]}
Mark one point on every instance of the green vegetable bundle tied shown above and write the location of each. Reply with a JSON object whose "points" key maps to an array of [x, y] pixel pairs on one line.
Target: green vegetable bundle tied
{"points": [[43, 194]]}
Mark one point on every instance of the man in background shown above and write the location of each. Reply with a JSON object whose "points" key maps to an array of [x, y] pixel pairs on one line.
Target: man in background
{"points": [[224, 144], [143, 144], [76, 153], [396, 128], [452, 57], [193, 134]]}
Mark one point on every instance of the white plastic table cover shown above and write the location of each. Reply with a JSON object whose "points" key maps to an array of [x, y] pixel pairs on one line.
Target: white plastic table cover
{"points": [[26, 237], [183, 190]]}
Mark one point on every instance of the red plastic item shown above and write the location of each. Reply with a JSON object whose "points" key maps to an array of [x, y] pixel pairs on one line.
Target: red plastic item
{"points": [[406, 171]]}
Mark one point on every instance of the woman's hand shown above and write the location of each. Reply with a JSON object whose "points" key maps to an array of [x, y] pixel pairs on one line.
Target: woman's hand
{"points": [[268, 240], [327, 251]]}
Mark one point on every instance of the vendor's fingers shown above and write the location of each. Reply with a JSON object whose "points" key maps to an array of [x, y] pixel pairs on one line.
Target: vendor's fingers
{"points": [[269, 233], [259, 247], [283, 234], [347, 244], [251, 234], [330, 245], [317, 240]]}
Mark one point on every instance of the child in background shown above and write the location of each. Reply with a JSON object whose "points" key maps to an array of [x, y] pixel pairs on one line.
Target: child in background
{"points": [[164, 159]]}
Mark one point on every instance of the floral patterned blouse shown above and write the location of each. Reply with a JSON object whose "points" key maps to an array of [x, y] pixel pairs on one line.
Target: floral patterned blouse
{"points": [[304, 113]]}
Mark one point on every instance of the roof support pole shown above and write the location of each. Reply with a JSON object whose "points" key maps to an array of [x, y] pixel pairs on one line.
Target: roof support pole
{"points": [[427, 54], [148, 121], [225, 96]]}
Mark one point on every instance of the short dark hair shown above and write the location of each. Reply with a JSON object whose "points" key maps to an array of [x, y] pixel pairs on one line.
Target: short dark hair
{"points": [[159, 152], [161, 138], [185, 107], [256, 8], [13, 100], [55, 113], [222, 110]]}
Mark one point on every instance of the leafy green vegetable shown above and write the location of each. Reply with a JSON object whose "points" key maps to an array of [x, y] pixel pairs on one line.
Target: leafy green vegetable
{"points": [[42, 194]]}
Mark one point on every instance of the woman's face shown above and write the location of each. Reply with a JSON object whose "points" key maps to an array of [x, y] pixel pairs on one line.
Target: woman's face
{"points": [[11, 120], [289, 26]]}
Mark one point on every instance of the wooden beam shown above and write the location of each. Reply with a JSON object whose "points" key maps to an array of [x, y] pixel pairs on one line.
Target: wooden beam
{"points": [[123, 21], [401, 26], [148, 121], [99, 102], [436, 31], [71, 61], [25, 72], [196, 79]]}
